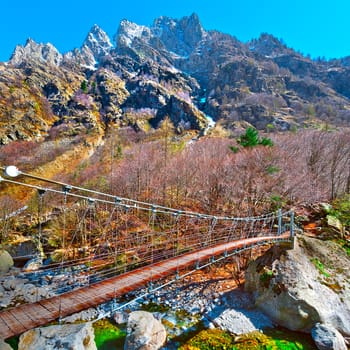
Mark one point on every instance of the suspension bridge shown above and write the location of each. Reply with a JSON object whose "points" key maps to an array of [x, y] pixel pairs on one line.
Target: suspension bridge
{"points": [[107, 246]]}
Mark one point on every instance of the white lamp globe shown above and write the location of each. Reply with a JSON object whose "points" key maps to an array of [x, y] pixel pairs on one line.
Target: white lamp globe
{"points": [[12, 171]]}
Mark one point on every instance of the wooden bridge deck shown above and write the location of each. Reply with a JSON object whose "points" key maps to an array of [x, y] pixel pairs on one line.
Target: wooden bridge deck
{"points": [[19, 319]]}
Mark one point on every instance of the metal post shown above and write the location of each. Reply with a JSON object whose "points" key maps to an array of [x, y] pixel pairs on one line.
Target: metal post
{"points": [[114, 303], [60, 311], [41, 193], [150, 284], [279, 230], [292, 224], [292, 233]]}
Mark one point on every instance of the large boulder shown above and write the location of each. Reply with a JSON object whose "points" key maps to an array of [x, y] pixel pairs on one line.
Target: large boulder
{"points": [[144, 332], [241, 321], [304, 286], [73, 337], [6, 262]]}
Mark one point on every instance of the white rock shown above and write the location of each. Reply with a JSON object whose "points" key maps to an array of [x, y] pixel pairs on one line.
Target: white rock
{"points": [[292, 295], [85, 315], [6, 300], [72, 337], [144, 332], [11, 282], [119, 317], [241, 321]]}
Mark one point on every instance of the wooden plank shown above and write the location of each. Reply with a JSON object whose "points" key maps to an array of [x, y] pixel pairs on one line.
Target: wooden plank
{"points": [[97, 297], [159, 269], [79, 298], [104, 289], [5, 331], [83, 300], [12, 323], [36, 313], [72, 304], [91, 300], [25, 320], [129, 280], [51, 305]]}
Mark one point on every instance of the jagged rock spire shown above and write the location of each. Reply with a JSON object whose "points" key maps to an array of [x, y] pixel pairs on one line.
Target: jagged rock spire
{"points": [[33, 51], [98, 42]]}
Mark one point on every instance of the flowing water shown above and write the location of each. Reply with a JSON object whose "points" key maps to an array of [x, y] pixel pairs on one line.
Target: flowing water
{"points": [[188, 332]]}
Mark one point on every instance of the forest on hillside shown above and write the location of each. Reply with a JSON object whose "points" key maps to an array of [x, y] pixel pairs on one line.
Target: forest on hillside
{"points": [[214, 175], [306, 172]]}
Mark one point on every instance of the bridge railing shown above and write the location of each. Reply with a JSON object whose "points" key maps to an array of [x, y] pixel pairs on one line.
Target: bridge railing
{"points": [[102, 236]]}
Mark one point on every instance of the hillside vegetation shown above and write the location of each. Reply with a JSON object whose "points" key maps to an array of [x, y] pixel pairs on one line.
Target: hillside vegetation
{"points": [[176, 115]]}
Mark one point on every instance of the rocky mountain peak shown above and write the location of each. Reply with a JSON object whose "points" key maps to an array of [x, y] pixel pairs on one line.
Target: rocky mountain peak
{"points": [[33, 51], [98, 42], [96, 45], [128, 31], [175, 67], [180, 36]]}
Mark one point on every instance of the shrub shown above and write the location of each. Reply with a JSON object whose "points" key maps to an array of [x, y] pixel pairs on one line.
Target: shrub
{"points": [[341, 210]]}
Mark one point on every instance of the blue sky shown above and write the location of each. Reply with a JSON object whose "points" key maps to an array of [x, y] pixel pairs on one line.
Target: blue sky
{"points": [[319, 28]]}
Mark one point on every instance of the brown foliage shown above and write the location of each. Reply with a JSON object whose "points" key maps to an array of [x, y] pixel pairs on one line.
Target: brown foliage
{"points": [[306, 167]]}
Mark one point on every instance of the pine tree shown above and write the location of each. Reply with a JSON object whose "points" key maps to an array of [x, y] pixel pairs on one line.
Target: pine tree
{"points": [[251, 139]]}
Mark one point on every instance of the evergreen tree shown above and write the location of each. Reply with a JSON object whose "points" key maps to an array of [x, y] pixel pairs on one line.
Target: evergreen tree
{"points": [[251, 139], [83, 86]]}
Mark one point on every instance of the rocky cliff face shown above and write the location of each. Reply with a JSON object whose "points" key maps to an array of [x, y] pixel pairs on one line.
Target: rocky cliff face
{"points": [[173, 68], [179, 36], [33, 51], [95, 47], [98, 42]]}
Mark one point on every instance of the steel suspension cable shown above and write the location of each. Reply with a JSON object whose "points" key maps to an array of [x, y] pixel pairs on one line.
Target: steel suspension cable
{"points": [[122, 200]]}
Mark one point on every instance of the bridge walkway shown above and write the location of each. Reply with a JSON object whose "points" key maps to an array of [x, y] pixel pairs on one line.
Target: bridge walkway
{"points": [[19, 319]]}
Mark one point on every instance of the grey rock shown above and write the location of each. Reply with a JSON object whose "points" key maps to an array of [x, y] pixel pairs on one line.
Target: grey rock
{"points": [[33, 51], [85, 315], [95, 46], [4, 346], [129, 31], [179, 36], [98, 42], [33, 264], [327, 338], [288, 287], [6, 300], [11, 283], [119, 317], [30, 293], [144, 332], [240, 321], [73, 337]]}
